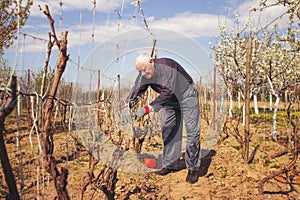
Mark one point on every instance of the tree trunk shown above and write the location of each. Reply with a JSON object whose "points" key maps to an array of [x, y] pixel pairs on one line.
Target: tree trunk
{"points": [[60, 179], [271, 101], [255, 104], [230, 103], [239, 99], [274, 132], [244, 115], [47, 59], [4, 112], [205, 95], [285, 99], [247, 102]]}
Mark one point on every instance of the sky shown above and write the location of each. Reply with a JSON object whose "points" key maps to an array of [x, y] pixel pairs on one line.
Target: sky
{"points": [[111, 33]]}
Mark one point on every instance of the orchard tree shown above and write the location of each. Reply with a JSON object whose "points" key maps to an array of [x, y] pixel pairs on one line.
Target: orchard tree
{"points": [[292, 7], [13, 16], [5, 70], [281, 51], [236, 60], [38, 79], [228, 62], [272, 58], [280, 66], [231, 61]]}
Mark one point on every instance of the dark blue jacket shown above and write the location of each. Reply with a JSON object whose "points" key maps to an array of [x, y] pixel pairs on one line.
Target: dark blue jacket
{"points": [[170, 80]]}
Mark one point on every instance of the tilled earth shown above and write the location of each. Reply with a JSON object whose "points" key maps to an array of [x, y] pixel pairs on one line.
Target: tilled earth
{"points": [[223, 174]]}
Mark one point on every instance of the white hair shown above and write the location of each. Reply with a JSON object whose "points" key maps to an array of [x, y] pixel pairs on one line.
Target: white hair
{"points": [[143, 58]]}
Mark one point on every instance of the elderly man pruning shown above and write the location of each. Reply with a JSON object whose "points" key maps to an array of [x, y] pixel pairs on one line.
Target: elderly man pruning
{"points": [[178, 98]]}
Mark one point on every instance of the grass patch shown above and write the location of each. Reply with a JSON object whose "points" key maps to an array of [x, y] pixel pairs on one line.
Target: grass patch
{"points": [[237, 147], [267, 162], [282, 117], [224, 174], [276, 166]]}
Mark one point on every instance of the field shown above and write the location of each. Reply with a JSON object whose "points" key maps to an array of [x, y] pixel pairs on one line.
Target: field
{"points": [[223, 174], [57, 153]]}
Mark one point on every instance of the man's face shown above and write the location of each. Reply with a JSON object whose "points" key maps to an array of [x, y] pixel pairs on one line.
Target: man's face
{"points": [[146, 70]]}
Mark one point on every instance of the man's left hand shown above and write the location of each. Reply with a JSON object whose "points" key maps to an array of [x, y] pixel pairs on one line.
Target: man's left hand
{"points": [[125, 114], [140, 112]]}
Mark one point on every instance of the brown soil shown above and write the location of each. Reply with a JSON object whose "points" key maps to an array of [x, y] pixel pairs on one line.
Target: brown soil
{"points": [[224, 174]]}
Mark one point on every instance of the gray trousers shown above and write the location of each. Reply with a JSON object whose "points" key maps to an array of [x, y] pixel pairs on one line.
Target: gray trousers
{"points": [[172, 120]]}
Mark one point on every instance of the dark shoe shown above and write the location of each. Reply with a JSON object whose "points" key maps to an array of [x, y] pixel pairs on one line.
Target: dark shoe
{"points": [[192, 176], [165, 171]]}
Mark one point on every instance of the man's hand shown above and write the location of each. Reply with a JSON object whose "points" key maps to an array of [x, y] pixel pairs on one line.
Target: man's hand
{"points": [[140, 112], [125, 114]]}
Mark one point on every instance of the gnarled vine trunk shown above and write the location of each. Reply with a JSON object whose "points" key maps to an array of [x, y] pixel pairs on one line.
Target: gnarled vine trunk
{"points": [[4, 112], [59, 178]]}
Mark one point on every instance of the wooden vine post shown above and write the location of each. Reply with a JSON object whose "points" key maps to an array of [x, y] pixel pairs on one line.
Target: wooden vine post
{"points": [[4, 112], [59, 178]]}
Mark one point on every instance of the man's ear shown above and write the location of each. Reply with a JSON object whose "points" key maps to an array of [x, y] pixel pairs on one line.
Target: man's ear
{"points": [[151, 60]]}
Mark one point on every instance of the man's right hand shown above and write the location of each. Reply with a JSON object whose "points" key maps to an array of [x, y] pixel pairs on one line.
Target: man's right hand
{"points": [[125, 114]]}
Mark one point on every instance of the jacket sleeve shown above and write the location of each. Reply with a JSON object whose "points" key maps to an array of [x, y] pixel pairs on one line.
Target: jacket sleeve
{"points": [[137, 91], [168, 85]]}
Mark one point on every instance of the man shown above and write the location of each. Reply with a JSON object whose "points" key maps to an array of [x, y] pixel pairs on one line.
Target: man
{"points": [[178, 98]]}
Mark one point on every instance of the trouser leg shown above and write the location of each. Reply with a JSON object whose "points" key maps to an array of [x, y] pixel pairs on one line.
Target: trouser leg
{"points": [[172, 137], [191, 115]]}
